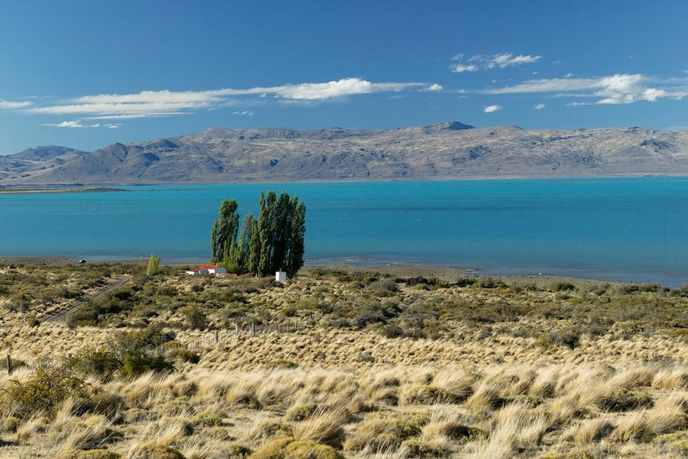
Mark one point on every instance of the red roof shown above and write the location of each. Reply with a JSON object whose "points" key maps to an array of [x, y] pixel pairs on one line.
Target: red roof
{"points": [[205, 267]]}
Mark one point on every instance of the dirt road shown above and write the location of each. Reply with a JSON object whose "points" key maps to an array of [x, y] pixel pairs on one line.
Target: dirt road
{"points": [[114, 284]]}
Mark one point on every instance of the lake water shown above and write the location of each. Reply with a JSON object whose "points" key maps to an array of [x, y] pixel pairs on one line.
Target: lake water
{"points": [[627, 229]]}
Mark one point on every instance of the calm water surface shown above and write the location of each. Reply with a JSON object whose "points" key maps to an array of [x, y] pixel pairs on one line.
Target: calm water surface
{"points": [[626, 229]]}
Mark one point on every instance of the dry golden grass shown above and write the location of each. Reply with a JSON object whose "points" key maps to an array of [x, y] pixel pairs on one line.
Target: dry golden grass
{"points": [[320, 390]]}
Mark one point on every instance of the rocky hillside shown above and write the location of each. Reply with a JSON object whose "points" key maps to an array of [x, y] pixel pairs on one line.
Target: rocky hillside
{"points": [[442, 151]]}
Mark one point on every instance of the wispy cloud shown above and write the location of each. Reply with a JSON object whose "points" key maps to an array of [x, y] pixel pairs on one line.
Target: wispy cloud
{"points": [[77, 124], [492, 108], [13, 105], [168, 103], [460, 67], [480, 62], [434, 88], [243, 113], [611, 89], [539, 107]]}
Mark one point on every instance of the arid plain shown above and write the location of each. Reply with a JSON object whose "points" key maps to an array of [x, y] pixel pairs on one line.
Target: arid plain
{"points": [[337, 362]]}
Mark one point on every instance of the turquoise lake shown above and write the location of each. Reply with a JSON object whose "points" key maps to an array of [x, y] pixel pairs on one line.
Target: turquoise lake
{"points": [[633, 229]]}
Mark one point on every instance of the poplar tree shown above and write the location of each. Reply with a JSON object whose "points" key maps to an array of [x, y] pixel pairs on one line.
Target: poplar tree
{"points": [[241, 249], [265, 229], [273, 241], [253, 259], [224, 231], [153, 265], [297, 231]]}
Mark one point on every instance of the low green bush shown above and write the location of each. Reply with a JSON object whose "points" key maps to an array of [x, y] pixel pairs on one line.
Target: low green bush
{"points": [[47, 387], [562, 286], [129, 354], [384, 287], [195, 317]]}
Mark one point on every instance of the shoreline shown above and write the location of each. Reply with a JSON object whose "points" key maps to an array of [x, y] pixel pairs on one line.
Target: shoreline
{"points": [[60, 190], [400, 269], [108, 187]]}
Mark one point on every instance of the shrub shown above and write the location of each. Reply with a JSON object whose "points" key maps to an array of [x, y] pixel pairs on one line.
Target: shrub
{"points": [[157, 451], [16, 363], [430, 395], [300, 412], [490, 282], [562, 286], [392, 331], [234, 451], [308, 449], [103, 403], [454, 431], [383, 287], [196, 319], [90, 313], [569, 338], [382, 433], [420, 280], [184, 355], [283, 363], [375, 312], [465, 281], [623, 400], [273, 449], [420, 448], [129, 354], [95, 362], [42, 392], [90, 454]]}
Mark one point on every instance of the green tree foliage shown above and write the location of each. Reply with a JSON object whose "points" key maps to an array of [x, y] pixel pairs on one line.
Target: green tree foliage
{"points": [[224, 231], [253, 258], [153, 265], [273, 241]]}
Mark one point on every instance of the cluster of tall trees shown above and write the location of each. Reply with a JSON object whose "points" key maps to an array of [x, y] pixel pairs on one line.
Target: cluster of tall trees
{"points": [[270, 242]]}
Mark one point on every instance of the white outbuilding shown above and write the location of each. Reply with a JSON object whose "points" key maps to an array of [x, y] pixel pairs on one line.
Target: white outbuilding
{"points": [[281, 276], [205, 270]]}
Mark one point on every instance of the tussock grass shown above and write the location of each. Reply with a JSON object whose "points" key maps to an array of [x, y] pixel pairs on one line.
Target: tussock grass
{"points": [[344, 363]]}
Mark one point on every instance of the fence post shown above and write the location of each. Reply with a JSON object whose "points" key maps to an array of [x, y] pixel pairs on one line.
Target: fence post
{"points": [[217, 336], [253, 329], [236, 328], [10, 367]]}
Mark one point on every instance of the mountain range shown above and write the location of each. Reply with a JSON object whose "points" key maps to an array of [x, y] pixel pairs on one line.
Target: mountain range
{"points": [[442, 151]]}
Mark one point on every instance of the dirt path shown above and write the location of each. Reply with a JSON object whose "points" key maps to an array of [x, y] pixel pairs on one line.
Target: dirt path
{"points": [[114, 284]]}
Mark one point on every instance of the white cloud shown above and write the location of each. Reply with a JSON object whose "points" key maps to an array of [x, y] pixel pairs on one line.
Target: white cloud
{"points": [[167, 103], [480, 62], [538, 106], [508, 60], [243, 113], [68, 124], [11, 105], [460, 68], [77, 124], [492, 108], [611, 89], [434, 88]]}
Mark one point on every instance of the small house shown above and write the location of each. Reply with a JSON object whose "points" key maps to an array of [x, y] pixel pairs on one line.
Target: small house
{"points": [[281, 276], [206, 270]]}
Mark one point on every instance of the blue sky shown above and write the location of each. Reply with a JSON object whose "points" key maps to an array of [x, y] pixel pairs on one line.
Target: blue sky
{"points": [[87, 73]]}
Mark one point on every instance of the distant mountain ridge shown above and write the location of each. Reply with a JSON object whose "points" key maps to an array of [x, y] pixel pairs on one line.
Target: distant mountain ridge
{"points": [[441, 151]]}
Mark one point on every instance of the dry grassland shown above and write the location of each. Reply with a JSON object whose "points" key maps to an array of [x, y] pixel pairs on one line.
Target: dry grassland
{"points": [[340, 363]]}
